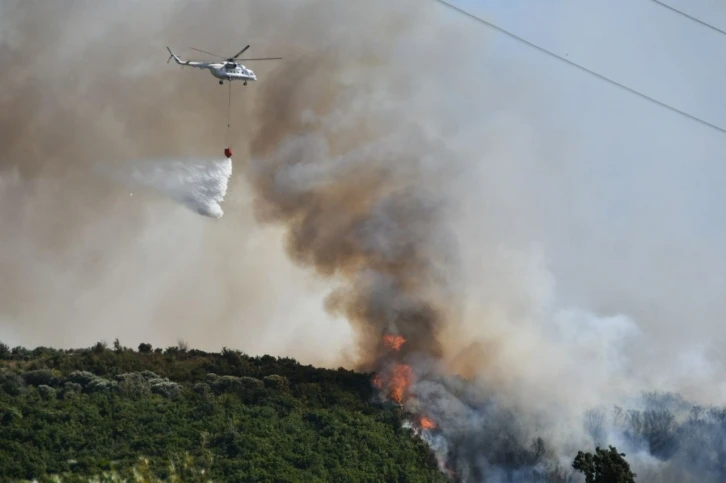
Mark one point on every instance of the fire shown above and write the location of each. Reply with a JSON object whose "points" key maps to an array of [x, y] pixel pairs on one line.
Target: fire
{"points": [[393, 341], [395, 379], [377, 381], [401, 379], [426, 423]]}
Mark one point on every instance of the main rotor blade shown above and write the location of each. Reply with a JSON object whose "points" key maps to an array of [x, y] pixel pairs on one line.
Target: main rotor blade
{"points": [[241, 52], [261, 58], [209, 53]]}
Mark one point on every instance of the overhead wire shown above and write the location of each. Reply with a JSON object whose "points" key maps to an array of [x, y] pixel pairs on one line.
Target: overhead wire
{"points": [[694, 19], [580, 67]]}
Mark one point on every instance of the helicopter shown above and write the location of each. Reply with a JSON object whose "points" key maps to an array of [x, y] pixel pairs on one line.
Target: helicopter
{"points": [[230, 69]]}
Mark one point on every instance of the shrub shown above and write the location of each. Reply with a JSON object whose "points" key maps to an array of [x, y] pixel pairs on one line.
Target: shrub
{"points": [[11, 382], [277, 382], [40, 376], [5, 352], [133, 385], [46, 392]]}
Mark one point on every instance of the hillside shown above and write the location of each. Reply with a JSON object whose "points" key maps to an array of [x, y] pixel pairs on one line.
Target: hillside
{"points": [[114, 412]]}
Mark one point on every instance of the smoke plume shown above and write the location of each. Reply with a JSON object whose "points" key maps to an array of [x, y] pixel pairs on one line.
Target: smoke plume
{"points": [[417, 186]]}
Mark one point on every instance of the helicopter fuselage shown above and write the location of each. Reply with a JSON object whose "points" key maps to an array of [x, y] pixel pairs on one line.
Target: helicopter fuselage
{"points": [[231, 72]]}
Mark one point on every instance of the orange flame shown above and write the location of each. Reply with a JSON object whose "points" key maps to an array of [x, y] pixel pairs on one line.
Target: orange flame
{"points": [[402, 375], [393, 341], [377, 381], [426, 423], [397, 380]]}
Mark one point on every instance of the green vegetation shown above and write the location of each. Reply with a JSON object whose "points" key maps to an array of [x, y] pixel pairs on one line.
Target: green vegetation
{"points": [[187, 415], [605, 466]]}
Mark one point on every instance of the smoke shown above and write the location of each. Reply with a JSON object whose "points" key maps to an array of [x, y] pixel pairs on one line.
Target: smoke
{"points": [[426, 189], [368, 192], [92, 114]]}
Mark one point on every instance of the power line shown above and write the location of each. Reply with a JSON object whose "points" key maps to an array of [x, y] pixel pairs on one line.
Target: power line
{"points": [[681, 12], [578, 66]]}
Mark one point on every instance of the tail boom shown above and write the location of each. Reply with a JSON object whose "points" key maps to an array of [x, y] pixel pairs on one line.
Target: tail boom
{"points": [[173, 56]]}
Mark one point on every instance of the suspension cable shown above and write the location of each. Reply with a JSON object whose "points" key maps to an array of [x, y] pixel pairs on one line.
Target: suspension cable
{"points": [[229, 111]]}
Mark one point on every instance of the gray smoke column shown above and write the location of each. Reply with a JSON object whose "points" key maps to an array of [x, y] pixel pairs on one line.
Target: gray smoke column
{"points": [[354, 166], [341, 158]]}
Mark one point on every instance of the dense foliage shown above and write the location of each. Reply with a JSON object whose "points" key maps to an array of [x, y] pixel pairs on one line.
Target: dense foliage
{"points": [[198, 416], [605, 466]]}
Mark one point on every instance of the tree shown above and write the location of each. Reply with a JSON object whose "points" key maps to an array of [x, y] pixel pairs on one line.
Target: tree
{"points": [[4, 351], [194, 415], [99, 348], [606, 466]]}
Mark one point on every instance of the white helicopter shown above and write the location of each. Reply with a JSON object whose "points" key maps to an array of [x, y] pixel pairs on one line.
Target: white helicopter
{"points": [[229, 70]]}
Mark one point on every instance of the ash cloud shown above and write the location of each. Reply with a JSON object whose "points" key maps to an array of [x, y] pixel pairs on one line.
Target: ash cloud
{"points": [[426, 192]]}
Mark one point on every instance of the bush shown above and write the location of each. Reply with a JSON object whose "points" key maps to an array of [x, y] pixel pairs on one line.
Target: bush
{"points": [[227, 384], [133, 385], [83, 378], [605, 466], [99, 348], [70, 388], [39, 377], [202, 388], [101, 385], [279, 383], [165, 387], [20, 353], [251, 382], [10, 382], [10, 415], [46, 392]]}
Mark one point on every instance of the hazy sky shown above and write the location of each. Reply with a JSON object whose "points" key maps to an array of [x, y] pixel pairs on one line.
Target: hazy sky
{"points": [[647, 182], [637, 42]]}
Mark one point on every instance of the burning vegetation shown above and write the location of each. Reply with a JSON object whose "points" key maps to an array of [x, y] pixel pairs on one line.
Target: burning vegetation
{"points": [[394, 383], [426, 423], [393, 341], [395, 379]]}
